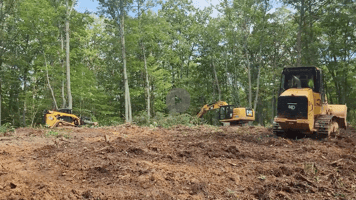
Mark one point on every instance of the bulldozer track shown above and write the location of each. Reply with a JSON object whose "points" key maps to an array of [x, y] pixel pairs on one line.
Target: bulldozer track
{"points": [[322, 124], [277, 131]]}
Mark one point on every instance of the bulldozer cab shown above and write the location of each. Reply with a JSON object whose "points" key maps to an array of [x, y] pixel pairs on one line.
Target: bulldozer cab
{"points": [[301, 77]]}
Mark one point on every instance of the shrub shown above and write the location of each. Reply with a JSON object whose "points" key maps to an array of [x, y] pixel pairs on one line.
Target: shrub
{"points": [[6, 128], [56, 134], [163, 120], [141, 119], [52, 133]]}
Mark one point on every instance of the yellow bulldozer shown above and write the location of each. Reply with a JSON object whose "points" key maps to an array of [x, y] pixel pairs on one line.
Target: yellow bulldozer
{"points": [[62, 118], [303, 106], [228, 114]]}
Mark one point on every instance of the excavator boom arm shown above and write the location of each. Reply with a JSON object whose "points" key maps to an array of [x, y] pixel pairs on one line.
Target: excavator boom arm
{"points": [[212, 106]]}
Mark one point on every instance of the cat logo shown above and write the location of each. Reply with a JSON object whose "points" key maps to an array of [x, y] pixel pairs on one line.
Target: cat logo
{"points": [[249, 113]]}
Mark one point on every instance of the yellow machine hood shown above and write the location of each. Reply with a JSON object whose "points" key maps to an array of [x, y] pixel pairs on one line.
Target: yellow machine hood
{"points": [[298, 92]]}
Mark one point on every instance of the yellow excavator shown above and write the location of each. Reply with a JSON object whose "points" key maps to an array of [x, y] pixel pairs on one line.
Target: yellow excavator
{"points": [[62, 118], [303, 107], [228, 114]]}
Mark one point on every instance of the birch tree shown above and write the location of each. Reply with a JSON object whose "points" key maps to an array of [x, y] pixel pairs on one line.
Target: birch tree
{"points": [[68, 12], [141, 7], [115, 9]]}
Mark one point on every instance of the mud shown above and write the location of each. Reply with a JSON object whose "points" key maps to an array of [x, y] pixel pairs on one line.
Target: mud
{"points": [[202, 162]]}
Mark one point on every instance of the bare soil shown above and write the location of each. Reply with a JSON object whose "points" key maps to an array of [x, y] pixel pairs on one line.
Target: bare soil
{"points": [[131, 162]]}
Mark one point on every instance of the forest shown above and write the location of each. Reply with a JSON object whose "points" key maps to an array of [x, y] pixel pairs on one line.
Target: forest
{"points": [[120, 63]]}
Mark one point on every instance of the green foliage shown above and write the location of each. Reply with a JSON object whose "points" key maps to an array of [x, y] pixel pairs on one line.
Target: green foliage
{"points": [[167, 120], [181, 42], [141, 119], [211, 117], [6, 128], [53, 133]]}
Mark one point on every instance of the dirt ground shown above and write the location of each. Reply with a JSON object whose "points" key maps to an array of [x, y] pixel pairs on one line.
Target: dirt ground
{"points": [[130, 162]]}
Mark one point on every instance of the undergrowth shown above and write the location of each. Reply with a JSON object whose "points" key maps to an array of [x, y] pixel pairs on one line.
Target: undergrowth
{"points": [[6, 128], [52, 133], [166, 121]]}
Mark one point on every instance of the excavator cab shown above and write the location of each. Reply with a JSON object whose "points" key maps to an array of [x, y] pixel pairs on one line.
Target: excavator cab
{"points": [[225, 112], [229, 114]]}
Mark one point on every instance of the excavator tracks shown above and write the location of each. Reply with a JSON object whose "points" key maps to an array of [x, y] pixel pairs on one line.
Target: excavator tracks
{"points": [[324, 125]]}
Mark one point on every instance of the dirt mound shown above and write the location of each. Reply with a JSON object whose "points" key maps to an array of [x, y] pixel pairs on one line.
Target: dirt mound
{"points": [[202, 162]]}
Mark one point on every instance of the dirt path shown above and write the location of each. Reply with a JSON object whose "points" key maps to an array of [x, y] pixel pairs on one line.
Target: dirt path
{"points": [[129, 162]]}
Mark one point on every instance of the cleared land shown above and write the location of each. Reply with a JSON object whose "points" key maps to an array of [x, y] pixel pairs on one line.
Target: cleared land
{"points": [[130, 162]]}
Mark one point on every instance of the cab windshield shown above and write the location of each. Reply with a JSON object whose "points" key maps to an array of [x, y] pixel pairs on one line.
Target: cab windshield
{"points": [[300, 78]]}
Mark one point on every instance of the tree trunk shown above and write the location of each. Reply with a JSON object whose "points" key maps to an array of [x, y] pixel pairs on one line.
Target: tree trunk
{"points": [[273, 107], [145, 64], [327, 94], [147, 84], [34, 111], [345, 88], [249, 75], [130, 108], [49, 84], [217, 81], [260, 61], [344, 83], [0, 100], [24, 103], [336, 82], [0, 92], [70, 106], [299, 36], [311, 53], [63, 72], [128, 115], [11, 104], [18, 117], [153, 99], [258, 88], [236, 89], [260, 115]]}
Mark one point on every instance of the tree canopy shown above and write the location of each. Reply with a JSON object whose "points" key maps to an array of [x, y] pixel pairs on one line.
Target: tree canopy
{"points": [[126, 58]]}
